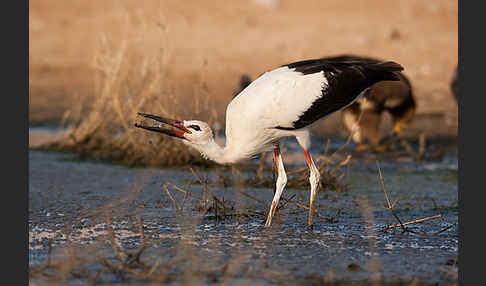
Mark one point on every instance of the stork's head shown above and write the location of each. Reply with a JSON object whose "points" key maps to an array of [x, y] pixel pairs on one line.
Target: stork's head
{"points": [[193, 132], [201, 133]]}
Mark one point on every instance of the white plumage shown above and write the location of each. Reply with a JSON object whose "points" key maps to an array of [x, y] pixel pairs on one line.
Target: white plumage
{"points": [[267, 102], [281, 103]]}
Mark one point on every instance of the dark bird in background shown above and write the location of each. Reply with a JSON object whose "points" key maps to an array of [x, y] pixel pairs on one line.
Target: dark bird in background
{"points": [[245, 81], [362, 118], [455, 84]]}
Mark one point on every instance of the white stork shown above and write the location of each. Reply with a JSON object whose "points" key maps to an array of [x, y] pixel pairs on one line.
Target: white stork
{"points": [[281, 103]]}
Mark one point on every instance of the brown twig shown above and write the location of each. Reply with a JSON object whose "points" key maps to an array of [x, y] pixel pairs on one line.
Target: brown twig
{"points": [[391, 208], [390, 205], [282, 206], [186, 192], [133, 258], [301, 206], [412, 221], [446, 228], [114, 244], [170, 196]]}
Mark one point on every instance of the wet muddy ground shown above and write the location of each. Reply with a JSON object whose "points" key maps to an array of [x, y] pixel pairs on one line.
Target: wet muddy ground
{"points": [[71, 202]]}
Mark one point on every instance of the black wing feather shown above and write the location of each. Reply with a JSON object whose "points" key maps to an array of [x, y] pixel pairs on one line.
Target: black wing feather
{"points": [[346, 80]]}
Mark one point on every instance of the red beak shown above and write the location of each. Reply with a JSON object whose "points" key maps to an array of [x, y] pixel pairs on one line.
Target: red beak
{"points": [[179, 132]]}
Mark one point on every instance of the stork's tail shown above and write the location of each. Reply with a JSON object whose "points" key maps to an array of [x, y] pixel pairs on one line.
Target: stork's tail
{"points": [[385, 70], [385, 66]]}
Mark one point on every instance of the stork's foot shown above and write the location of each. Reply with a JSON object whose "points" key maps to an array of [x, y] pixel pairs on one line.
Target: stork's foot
{"points": [[270, 215], [269, 221], [311, 217]]}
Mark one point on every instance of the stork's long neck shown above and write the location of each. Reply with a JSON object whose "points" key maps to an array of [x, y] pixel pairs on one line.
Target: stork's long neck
{"points": [[213, 151]]}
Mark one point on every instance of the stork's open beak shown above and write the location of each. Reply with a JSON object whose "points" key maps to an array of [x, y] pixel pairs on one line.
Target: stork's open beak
{"points": [[179, 125]]}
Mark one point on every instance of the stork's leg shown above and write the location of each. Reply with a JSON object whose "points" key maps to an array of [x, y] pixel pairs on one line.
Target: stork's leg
{"points": [[280, 184], [314, 182]]}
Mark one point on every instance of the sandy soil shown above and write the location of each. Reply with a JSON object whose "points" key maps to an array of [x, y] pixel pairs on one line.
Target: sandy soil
{"points": [[208, 45]]}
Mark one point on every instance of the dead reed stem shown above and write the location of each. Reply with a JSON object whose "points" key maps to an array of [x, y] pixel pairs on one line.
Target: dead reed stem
{"points": [[413, 221], [383, 186], [390, 206], [171, 198], [446, 228]]}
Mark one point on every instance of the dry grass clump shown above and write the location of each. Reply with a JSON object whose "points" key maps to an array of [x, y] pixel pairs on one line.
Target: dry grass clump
{"points": [[332, 169], [218, 208], [128, 82], [332, 173]]}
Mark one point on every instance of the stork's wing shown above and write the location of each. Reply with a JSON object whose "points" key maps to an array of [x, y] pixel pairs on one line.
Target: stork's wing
{"points": [[298, 94], [343, 82]]}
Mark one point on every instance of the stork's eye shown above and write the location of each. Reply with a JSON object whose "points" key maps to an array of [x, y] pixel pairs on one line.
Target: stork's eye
{"points": [[195, 127]]}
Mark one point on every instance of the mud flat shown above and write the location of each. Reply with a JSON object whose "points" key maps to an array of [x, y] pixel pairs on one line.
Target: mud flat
{"points": [[71, 202]]}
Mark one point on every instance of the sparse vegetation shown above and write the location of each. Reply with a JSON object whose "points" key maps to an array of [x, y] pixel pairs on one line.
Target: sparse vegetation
{"points": [[138, 258], [127, 83], [94, 64]]}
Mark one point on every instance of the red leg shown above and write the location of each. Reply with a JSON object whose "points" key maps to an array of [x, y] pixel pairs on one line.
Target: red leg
{"points": [[307, 157]]}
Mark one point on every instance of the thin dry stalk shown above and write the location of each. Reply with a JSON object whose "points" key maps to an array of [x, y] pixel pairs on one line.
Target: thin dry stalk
{"points": [[219, 207], [114, 244], [413, 221], [205, 187], [282, 206], [186, 195], [446, 228], [185, 192], [390, 206], [302, 206], [171, 198], [133, 258], [383, 186]]}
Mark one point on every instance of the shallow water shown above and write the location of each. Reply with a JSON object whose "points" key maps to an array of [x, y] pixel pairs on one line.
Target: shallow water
{"points": [[347, 241]]}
